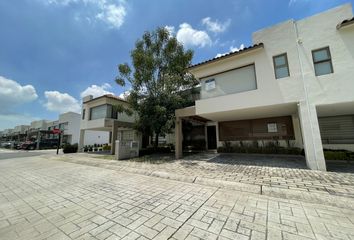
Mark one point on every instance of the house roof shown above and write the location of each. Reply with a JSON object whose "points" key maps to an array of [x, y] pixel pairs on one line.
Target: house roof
{"points": [[107, 96], [246, 49], [346, 22]]}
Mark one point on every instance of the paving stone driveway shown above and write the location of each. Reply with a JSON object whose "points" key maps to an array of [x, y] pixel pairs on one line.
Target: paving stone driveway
{"points": [[272, 173], [44, 199]]}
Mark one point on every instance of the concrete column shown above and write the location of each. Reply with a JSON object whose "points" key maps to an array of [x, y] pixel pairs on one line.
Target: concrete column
{"points": [[179, 138], [206, 136], [297, 131], [114, 136], [218, 143], [311, 137], [81, 140]]}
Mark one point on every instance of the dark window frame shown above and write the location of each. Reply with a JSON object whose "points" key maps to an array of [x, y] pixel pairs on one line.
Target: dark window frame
{"points": [[83, 113], [322, 61], [286, 64]]}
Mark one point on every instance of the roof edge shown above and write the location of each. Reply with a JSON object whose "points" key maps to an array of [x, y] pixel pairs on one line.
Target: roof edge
{"points": [[345, 23], [107, 96], [228, 55]]}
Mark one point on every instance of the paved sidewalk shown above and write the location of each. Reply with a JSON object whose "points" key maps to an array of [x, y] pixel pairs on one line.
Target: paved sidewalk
{"points": [[44, 199], [242, 172]]}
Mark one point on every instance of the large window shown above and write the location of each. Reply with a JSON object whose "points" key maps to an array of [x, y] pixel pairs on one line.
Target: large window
{"points": [[322, 61], [281, 66], [103, 111], [228, 82], [98, 112]]}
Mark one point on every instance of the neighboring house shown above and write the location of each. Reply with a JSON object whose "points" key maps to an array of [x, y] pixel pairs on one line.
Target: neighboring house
{"points": [[20, 132], [51, 125], [7, 134], [69, 124], [294, 85], [99, 114]]}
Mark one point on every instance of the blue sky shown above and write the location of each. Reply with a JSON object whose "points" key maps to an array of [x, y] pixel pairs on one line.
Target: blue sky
{"points": [[52, 52]]}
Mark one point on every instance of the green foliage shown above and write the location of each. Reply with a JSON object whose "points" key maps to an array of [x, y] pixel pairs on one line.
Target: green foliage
{"points": [[106, 148], [270, 148], [338, 155], [158, 80], [68, 148]]}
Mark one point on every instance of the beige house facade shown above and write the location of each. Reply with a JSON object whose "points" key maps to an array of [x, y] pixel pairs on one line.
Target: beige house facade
{"points": [[294, 85], [100, 114]]}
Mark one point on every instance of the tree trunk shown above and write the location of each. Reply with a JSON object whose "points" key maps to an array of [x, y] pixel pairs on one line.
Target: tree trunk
{"points": [[156, 143]]}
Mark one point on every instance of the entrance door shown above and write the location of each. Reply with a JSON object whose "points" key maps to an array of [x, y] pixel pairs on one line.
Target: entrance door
{"points": [[211, 132]]}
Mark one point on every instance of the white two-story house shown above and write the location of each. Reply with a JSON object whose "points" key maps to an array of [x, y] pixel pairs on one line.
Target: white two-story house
{"points": [[295, 84], [100, 115]]}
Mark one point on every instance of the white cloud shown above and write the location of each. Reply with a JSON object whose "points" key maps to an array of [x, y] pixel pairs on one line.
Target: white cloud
{"points": [[111, 12], [113, 15], [96, 91], [236, 49], [124, 94], [61, 102], [232, 49], [12, 93], [192, 37], [215, 26], [293, 2]]}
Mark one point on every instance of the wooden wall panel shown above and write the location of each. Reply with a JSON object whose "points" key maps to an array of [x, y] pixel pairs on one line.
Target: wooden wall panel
{"points": [[256, 129]]}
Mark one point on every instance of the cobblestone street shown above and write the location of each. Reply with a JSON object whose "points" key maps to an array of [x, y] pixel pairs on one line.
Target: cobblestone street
{"points": [[45, 199]]}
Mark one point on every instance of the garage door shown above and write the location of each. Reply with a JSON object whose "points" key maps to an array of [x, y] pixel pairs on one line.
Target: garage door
{"points": [[337, 129]]}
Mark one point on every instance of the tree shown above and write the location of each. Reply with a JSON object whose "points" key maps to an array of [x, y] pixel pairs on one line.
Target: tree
{"points": [[159, 81]]}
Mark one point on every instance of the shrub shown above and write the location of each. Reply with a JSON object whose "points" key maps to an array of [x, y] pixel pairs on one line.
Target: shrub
{"points": [[270, 148], [336, 155], [70, 148], [106, 148]]}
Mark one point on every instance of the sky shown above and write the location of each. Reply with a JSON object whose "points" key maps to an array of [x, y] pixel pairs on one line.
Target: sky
{"points": [[54, 52]]}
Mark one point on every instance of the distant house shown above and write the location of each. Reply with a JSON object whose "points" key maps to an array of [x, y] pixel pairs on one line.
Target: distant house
{"points": [[99, 114], [294, 84]]}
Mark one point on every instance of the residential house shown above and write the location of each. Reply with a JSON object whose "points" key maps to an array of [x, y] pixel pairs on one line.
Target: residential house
{"points": [[100, 114], [294, 85], [69, 124], [20, 132]]}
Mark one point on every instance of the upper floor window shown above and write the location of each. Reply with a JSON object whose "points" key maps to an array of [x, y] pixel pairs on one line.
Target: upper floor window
{"points": [[281, 66], [103, 111], [83, 114], [98, 112], [322, 61]]}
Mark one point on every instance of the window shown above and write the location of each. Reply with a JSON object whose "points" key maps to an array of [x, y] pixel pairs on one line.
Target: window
{"points": [[322, 61], [83, 114], [210, 84], [98, 112], [231, 81], [281, 66], [272, 127]]}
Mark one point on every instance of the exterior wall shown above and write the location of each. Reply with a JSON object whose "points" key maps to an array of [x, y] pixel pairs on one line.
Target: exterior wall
{"points": [[21, 129], [40, 124], [73, 127]]}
